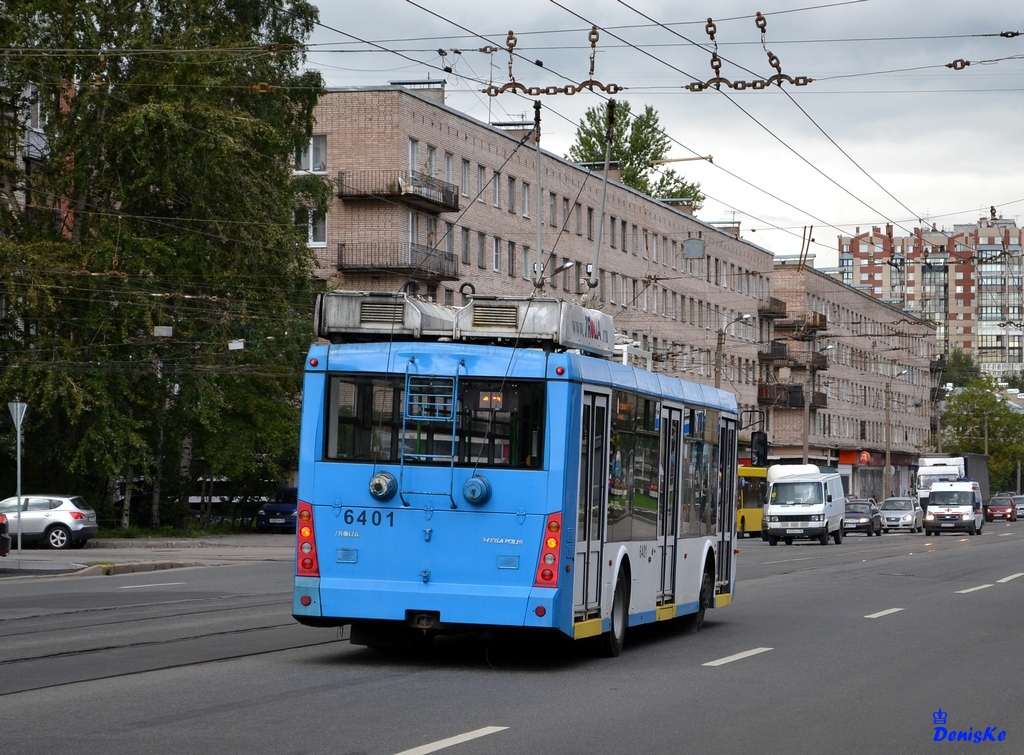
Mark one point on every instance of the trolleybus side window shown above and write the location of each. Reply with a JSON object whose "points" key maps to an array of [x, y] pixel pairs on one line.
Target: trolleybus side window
{"points": [[499, 423], [634, 473]]}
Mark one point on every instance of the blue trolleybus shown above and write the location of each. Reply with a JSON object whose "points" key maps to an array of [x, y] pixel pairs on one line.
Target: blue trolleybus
{"points": [[494, 467]]}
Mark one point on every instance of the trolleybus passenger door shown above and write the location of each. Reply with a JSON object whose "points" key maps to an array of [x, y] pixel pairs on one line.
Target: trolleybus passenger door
{"points": [[727, 475], [594, 471], [668, 498]]}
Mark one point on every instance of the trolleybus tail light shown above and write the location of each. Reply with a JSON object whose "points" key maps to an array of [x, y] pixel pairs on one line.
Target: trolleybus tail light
{"points": [[547, 569], [306, 564]]}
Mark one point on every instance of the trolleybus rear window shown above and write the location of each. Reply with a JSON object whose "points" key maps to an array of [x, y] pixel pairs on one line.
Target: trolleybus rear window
{"points": [[497, 423]]}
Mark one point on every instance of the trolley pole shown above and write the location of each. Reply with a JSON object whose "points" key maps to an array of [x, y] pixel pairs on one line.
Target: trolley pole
{"points": [[18, 414]]}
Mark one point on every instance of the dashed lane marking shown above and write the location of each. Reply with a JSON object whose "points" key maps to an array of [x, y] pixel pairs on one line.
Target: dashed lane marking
{"points": [[1012, 576], [442, 744], [972, 589], [880, 614], [737, 657], [155, 584]]}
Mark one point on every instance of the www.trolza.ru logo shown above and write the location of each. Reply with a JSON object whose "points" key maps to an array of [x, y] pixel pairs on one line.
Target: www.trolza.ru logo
{"points": [[975, 736]]}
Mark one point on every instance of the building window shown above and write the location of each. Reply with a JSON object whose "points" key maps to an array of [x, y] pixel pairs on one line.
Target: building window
{"points": [[611, 236], [511, 258], [449, 238], [590, 223], [526, 263], [565, 212], [449, 167], [431, 164], [553, 209], [481, 250], [315, 223], [511, 194], [496, 254], [481, 182], [579, 219], [465, 246], [496, 188], [465, 178], [313, 156], [526, 200]]}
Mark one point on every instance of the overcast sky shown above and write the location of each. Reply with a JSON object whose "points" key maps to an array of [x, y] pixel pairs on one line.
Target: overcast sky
{"points": [[885, 132]]}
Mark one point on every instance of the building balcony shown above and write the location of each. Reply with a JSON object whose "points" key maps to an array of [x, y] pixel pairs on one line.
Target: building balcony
{"points": [[805, 328], [773, 308], [938, 364], [819, 400], [403, 258], [415, 189], [937, 394], [819, 361], [776, 351], [772, 394]]}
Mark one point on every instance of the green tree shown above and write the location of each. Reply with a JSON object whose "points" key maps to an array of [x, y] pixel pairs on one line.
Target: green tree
{"points": [[636, 142], [160, 193], [960, 369], [978, 419]]}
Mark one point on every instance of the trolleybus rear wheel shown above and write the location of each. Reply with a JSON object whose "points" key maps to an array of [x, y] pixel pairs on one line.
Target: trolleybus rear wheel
{"points": [[613, 640]]}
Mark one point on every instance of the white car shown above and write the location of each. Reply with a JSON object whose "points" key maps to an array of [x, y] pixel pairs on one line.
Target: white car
{"points": [[1018, 501], [902, 514]]}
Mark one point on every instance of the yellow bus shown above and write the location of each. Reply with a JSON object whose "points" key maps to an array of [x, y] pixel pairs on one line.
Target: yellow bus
{"points": [[753, 491]]}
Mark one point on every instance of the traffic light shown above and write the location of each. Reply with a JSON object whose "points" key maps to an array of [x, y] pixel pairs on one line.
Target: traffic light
{"points": [[759, 449]]}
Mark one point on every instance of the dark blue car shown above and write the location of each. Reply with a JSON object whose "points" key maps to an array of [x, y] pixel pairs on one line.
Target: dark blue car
{"points": [[278, 513]]}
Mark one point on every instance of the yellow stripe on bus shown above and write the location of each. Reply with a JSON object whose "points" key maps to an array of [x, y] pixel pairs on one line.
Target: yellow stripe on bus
{"points": [[588, 628]]}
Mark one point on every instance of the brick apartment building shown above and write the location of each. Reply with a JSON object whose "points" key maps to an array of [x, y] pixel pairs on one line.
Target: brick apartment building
{"points": [[967, 281], [428, 195], [870, 373]]}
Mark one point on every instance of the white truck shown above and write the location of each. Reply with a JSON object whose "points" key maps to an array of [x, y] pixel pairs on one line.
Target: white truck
{"points": [[955, 507], [804, 501], [935, 468]]}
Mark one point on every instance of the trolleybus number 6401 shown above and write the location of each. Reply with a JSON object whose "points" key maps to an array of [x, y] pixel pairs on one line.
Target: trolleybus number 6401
{"points": [[376, 518]]}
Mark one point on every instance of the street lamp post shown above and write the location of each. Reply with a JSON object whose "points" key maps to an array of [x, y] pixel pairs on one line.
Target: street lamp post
{"points": [[721, 345], [808, 392], [887, 487]]}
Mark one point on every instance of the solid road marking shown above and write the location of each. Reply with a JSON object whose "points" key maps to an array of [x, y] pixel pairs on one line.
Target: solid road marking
{"points": [[737, 657], [155, 584], [452, 741], [1012, 576], [972, 589], [880, 614]]}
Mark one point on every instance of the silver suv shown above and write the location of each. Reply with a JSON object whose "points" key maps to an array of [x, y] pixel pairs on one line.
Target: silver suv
{"points": [[58, 521]]}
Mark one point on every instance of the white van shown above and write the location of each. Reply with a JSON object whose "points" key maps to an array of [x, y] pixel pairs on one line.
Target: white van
{"points": [[804, 502], [955, 507]]}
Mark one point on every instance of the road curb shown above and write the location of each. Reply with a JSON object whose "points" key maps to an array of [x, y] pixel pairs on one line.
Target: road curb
{"points": [[108, 570]]}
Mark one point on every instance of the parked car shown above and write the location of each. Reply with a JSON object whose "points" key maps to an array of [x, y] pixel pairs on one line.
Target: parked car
{"points": [[1018, 502], [57, 521], [1001, 507], [863, 515], [278, 514], [5, 539], [902, 514]]}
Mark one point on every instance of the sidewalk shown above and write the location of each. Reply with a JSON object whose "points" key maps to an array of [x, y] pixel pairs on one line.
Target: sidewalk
{"points": [[120, 556]]}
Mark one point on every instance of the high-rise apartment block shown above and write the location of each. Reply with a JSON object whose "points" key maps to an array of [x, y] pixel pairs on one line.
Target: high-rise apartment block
{"points": [[966, 280]]}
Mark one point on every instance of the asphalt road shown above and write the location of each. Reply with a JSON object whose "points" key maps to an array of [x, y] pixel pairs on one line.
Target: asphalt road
{"points": [[846, 649]]}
